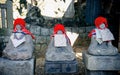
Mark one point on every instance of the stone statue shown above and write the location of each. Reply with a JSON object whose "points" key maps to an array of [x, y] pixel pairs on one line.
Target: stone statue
{"points": [[101, 39], [20, 45], [59, 49]]}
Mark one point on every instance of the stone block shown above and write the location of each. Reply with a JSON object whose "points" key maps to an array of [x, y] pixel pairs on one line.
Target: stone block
{"points": [[45, 31], [48, 38], [75, 29], [105, 63], [35, 30], [51, 31], [89, 28], [82, 29], [16, 67], [61, 66]]}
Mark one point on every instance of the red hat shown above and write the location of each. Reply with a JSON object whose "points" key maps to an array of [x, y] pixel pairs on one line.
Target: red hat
{"points": [[59, 27], [21, 22], [100, 20]]}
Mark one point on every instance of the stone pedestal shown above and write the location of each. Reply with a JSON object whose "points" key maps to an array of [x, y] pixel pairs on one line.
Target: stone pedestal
{"points": [[61, 67], [101, 65], [15, 67]]}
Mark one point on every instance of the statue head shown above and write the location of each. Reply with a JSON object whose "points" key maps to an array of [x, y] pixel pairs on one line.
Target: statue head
{"points": [[101, 22], [101, 31], [59, 27], [19, 24], [18, 28]]}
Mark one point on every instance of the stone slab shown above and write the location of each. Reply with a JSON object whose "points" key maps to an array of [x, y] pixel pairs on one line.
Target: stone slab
{"points": [[88, 72], [61, 66], [14, 67], [101, 62]]}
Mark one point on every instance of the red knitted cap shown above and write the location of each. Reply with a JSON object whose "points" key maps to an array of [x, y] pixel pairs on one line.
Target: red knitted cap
{"points": [[58, 27], [19, 21], [100, 20], [22, 23]]}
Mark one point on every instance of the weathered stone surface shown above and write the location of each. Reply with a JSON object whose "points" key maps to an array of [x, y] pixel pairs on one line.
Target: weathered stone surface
{"points": [[35, 30], [45, 31], [89, 28], [59, 53], [70, 10], [105, 48], [6, 39], [48, 39], [51, 31], [22, 52], [61, 66], [101, 62], [12, 67], [9, 14]]}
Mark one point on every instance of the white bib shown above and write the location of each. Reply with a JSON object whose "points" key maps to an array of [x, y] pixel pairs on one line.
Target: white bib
{"points": [[104, 34], [60, 40], [17, 42]]}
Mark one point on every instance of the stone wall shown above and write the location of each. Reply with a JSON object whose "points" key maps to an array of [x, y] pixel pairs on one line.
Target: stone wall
{"points": [[43, 37]]}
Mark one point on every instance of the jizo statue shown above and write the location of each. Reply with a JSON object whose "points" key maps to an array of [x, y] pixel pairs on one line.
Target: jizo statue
{"points": [[101, 39], [20, 45], [59, 48]]}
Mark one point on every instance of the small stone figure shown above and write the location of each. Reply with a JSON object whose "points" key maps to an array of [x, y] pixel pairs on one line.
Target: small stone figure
{"points": [[59, 48], [20, 45], [101, 39]]}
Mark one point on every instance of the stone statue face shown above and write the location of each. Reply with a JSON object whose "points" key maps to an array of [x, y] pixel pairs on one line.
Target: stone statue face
{"points": [[102, 26], [59, 32], [18, 27]]}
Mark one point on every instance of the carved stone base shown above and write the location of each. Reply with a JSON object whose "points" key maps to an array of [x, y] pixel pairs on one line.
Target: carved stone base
{"points": [[61, 66], [101, 65], [13, 67]]}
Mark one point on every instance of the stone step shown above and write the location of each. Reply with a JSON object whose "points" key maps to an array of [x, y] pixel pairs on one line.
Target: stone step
{"points": [[16, 67], [99, 63]]}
